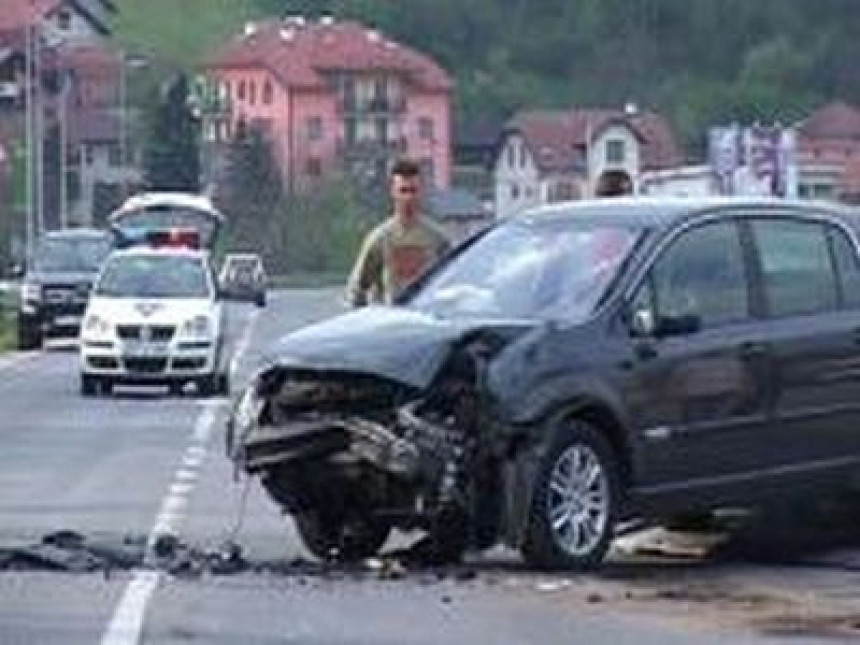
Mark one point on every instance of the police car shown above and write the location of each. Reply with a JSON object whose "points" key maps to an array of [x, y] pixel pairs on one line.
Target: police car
{"points": [[155, 317], [155, 314]]}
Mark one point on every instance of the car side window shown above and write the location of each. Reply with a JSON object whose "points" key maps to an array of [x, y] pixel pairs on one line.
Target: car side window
{"points": [[797, 270], [702, 274], [848, 267]]}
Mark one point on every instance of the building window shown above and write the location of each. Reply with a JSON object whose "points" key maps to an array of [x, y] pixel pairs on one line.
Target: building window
{"points": [[313, 167], [615, 152], [315, 128], [350, 130], [114, 155], [89, 155], [512, 155], [268, 93], [426, 128], [515, 191], [64, 20], [382, 130], [522, 155], [252, 93], [240, 91], [380, 94]]}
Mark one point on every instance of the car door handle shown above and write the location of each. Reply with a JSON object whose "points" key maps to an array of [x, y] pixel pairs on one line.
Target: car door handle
{"points": [[752, 349]]}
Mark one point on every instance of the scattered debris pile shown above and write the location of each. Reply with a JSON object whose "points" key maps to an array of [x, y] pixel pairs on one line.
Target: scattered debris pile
{"points": [[69, 551]]}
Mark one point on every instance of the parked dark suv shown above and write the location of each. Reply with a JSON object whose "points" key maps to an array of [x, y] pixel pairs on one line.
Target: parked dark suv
{"points": [[57, 283], [572, 368]]}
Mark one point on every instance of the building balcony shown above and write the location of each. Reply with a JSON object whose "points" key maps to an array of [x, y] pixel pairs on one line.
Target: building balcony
{"points": [[382, 105], [396, 145]]}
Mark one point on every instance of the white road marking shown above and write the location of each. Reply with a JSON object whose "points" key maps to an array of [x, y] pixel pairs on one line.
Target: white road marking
{"points": [[126, 625], [186, 475], [127, 621]]}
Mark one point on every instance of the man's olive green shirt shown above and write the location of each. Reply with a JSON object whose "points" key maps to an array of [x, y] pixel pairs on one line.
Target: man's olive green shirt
{"points": [[392, 257]]}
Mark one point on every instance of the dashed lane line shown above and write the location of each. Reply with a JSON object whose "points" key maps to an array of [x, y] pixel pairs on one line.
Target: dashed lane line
{"points": [[126, 625]]}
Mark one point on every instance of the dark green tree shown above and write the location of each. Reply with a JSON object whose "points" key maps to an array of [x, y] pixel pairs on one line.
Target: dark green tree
{"points": [[171, 156], [252, 195]]}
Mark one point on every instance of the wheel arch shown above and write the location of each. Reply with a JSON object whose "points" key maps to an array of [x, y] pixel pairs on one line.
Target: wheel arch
{"points": [[522, 471]]}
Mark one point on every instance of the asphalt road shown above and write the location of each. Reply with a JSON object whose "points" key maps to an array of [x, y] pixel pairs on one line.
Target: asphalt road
{"points": [[142, 462]]}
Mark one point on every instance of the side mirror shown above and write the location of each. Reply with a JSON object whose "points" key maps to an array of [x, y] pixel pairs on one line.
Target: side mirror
{"points": [[642, 323]]}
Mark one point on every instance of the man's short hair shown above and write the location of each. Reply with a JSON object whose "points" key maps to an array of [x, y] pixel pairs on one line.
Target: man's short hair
{"points": [[405, 168]]}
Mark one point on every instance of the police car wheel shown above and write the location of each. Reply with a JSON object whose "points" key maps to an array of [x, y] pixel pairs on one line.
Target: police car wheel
{"points": [[222, 384], [175, 388], [92, 385], [88, 386]]}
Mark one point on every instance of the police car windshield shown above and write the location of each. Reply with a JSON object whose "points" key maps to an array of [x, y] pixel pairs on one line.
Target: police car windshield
{"points": [[153, 276], [71, 255]]}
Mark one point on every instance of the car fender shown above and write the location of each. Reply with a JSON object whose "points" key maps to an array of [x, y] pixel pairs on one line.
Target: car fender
{"points": [[540, 423]]}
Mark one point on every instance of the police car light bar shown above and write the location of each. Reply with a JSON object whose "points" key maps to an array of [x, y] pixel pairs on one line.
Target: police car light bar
{"points": [[183, 238]]}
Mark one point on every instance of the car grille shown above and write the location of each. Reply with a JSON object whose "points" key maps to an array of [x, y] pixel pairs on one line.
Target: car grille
{"points": [[158, 333], [65, 294], [103, 363], [145, 365], [189, 363]]}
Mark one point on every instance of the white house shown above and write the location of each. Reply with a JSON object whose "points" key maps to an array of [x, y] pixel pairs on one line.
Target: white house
{"points": [[549, 156], [683, 181]]}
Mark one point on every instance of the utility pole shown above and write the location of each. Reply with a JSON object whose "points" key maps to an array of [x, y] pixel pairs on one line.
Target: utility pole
{"points": [[28, 126], [40, 129], [123, 123], [64, 143]]}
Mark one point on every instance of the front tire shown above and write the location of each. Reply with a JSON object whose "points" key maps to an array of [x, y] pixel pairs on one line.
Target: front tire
{"points": [[576, 501], [89, 385], [329, 537]]}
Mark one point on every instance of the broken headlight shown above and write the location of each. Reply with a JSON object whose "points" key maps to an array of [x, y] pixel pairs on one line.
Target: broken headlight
{"points": [[247, 410]]}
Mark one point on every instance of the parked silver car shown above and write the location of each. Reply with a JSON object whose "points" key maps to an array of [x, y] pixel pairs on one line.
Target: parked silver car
{"points": [[244, 278]]}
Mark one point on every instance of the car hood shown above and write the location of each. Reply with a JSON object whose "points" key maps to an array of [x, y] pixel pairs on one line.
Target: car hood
{"points": [[137, 311], [60, 277], [399, 344]]}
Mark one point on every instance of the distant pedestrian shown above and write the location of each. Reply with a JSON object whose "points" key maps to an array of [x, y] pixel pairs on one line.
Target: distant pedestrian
{"points": [[400, 249]]}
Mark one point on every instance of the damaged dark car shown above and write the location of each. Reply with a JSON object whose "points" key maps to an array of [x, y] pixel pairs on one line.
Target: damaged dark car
{"points": [[568, 371]]}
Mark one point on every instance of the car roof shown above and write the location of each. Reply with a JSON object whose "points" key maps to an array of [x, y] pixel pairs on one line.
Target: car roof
{"points": [[662, 212]]}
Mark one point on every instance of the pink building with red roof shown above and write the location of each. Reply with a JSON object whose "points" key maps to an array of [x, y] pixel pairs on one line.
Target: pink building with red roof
{"points": [[333, 96]]}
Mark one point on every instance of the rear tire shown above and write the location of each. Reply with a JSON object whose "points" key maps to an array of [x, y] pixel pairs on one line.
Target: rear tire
{"points": [[343, 539], [29, 337], [576, 501], [222, 384], [260, 300], [174, 388]]}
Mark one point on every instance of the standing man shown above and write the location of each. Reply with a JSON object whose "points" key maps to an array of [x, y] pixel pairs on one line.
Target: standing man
{"points": [[397, 251]]}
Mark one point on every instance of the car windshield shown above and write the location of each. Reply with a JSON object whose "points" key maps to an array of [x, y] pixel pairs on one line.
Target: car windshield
{"points": [[72, 255], [543, 270], [152, 276]]}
